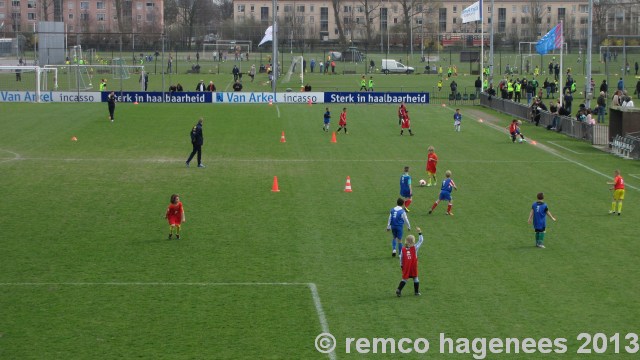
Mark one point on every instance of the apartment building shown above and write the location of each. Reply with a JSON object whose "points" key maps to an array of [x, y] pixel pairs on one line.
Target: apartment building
{"points": [[522, 20], [83, 16]]}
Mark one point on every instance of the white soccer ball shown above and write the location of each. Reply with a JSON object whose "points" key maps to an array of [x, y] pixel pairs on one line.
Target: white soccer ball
{"points": [[519, 140], [422, 182]]}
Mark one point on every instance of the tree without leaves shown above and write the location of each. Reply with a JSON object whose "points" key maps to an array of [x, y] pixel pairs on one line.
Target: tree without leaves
{"points": [[336, 14]]}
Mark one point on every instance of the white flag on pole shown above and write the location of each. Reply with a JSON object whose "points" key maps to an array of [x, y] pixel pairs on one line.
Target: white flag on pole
{"points": [[268, 35], [472, 13]]}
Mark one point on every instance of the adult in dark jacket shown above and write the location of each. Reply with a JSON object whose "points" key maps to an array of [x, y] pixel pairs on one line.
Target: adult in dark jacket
{"points": [[111, 101], [197, 140]]}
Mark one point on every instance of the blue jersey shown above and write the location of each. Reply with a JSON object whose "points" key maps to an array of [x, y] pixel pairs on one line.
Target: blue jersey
{"points": [[539, 215], [447, 185], [457, 117], [327, 117], [397, 218], [405, 185]]}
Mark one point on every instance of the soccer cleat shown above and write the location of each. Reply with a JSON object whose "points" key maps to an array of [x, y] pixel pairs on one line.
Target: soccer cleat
{"points": [[201, 165], [540, 246], [417, 294], [430, 211], [407, 210], [619, 214], [170, 236], [393, 254], [398, 293], [449, 213], [611, 212], [177, 237]]}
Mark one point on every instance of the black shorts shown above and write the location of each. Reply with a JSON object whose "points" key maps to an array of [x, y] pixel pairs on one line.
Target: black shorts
{"points": [[540, 230]]}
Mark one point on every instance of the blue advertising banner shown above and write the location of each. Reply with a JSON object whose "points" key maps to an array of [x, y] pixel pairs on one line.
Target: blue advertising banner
{"points": [[376, 97], [158, 97]]}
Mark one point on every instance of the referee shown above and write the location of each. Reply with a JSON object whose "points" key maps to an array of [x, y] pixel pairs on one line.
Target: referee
{"points": [[197, 139]]}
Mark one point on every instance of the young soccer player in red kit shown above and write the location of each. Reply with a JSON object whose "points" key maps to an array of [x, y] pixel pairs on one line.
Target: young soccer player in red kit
{"points": [[342, 124], [406, 123], [432, 162], [409, 263], [401, 111], [175, 216]]}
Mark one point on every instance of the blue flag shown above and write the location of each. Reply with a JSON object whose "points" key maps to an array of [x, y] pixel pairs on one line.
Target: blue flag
{"points": [[552, 40]]}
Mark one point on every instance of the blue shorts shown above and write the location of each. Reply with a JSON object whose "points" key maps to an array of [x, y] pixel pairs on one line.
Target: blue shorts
{"points": [[405, 194], [397, 232], [445, 195], [326, 121]]}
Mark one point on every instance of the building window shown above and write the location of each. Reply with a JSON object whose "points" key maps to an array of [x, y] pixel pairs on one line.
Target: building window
{"points": [[288, 8], [70, 5], [455, 20], [264, 14], [31, 4], [15, 3], [583, 9], [70, 28], [31, 16], [324, 19], [1, 4], [100, 17], [70, 16], [312, 8], [514, 9], [489, 10], [300, 8], [455, 9], [100, 5], [150, 4], [102, 28], [84, 5], [561, 13], [513, 20], [252, 8], [241, 8], [311, 19], [84, 16], [442, 19], [139, 5], [347, 8], [151, 17], [502, 20], [525, 9]]}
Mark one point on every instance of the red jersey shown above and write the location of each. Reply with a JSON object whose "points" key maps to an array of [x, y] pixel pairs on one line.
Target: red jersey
{"points": [[402, 111], [406, 122], [618, 183], [513, 127], [409, 262], [432, 161], [343, 119], [174, 213]]}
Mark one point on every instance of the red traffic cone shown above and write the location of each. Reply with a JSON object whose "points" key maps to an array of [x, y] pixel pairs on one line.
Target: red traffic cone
{"points": [[309, 102], [282, 139], [275, 187], [333, 137], [347, 187]]}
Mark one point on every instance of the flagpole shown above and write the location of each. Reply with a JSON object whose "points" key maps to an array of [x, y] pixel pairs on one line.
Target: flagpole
{"points": [[274, 42], [481, 49], [561, 84]]}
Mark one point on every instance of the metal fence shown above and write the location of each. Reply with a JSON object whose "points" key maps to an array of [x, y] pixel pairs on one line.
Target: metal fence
{"points": [[597, 134]]}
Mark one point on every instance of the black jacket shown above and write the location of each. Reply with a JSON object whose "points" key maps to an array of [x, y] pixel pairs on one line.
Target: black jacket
{"points": [[196, 135]]}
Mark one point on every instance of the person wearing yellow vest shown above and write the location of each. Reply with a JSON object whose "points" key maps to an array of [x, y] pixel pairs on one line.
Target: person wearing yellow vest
{"points": [[510, 89], [363, 84], [440, 85], [485, 84], [517, 92], [371, 83], [103, 85]]}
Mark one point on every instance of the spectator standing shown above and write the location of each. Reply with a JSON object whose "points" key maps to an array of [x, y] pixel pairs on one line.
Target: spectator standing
{"points": [[211, 87], [478, 85], [200, 86], [568, 99], [252, 71], [621, 84], [235, 72], [237, 86]]}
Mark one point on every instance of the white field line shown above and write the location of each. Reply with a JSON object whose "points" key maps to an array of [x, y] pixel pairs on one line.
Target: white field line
{"points": [[557, 154], [563, 147], [324, 324], [637, 176]]}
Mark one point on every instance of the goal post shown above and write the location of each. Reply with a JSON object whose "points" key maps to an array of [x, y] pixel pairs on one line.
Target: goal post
{"points": [[28, 78], [223, 50], [88, 77], [295, 68]]}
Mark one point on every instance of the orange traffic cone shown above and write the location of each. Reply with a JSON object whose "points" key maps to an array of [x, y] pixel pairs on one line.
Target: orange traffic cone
{"points": [[135, 103], [309, 102], [270, 102], [275, 188], [73, 138], [347, 187], [282, 139], [333, 137]]}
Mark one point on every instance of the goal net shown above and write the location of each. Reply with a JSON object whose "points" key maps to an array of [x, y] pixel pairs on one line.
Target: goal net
{"points": [[28, 79], [88, 77], [224, 50], [295, 68]]}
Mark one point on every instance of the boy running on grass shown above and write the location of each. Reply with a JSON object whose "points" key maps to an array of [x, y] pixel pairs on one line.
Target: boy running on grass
{"points": [[175, 216], [618, 192], [395, 224], [432, 162], [445, 193], [409, 263]]}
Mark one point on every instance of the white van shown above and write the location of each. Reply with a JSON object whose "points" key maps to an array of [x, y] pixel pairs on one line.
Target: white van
{"points": [[390, 66]]}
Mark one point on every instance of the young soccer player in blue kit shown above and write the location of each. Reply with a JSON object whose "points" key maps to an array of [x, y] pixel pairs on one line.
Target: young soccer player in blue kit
{"points": [[457, 120], [445, 193], [395, 224], [327, 120], [405, 188], [538, 214]]}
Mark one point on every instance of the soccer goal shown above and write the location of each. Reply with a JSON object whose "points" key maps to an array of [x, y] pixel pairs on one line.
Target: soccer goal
{"points": [[295, 68], [28, 78], [88, 77], [223, 50]]}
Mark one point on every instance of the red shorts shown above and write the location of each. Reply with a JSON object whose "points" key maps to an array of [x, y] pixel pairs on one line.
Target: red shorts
{"points": [[175, 220], [409, 271]]}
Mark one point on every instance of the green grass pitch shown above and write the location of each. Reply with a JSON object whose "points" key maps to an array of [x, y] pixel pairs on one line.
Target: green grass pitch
{"points": [[87, 272]]}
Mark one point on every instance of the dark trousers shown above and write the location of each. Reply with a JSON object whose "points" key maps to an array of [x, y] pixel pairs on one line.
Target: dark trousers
{"points": [[197, 148], [112, 109]]}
